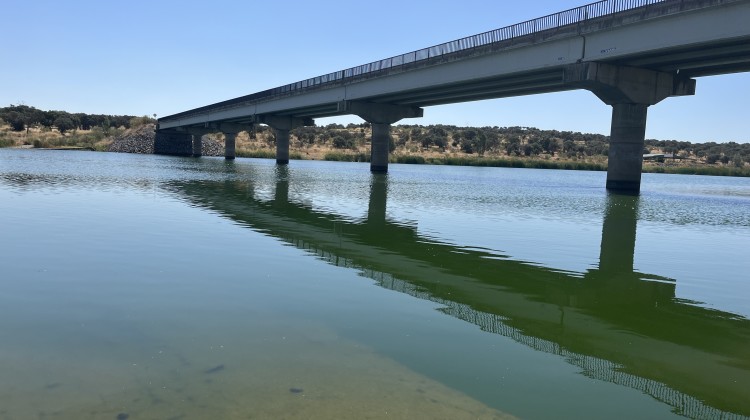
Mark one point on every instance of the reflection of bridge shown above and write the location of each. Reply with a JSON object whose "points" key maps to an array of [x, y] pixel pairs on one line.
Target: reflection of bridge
{"points": [[630, 53], [617, 325]]}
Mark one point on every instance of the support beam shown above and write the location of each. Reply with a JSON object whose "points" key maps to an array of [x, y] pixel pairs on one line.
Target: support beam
{"points": [[282, 125], [626, 141], [282, 146], [630, 91], [229, 145], [197, 135], [381, 116], [380, 147], [197, 145], [230, 131]]}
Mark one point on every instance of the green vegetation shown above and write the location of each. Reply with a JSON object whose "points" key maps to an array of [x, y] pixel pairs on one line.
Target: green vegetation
{"points": [[24, 117], [346, 157], [699, 170], [264, 154], [59, 129]]}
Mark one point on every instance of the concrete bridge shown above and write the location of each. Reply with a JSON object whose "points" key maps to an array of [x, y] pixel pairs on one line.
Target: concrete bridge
{"points": [[630, 53], [617, 324]]}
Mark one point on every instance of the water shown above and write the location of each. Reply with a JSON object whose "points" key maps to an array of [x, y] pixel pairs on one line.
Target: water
{"points": [[153, 287]]}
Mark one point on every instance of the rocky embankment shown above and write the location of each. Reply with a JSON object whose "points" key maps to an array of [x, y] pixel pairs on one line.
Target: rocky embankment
{"points": [[141, 140]]}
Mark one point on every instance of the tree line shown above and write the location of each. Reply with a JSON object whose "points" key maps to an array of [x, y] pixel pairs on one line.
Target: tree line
{"points": [[24, 117], [514, 141]]}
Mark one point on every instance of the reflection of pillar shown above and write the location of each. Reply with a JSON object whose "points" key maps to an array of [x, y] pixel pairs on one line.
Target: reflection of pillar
{"points": [[378, 199], [229, 139], [281, 194], [615, 285], [618, 234]]}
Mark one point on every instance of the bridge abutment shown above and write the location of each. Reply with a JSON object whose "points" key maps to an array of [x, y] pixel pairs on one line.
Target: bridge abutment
{"points": [[630, 91], [173, 143]]}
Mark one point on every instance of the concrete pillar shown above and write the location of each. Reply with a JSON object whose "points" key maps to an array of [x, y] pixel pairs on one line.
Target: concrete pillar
{"points": [[381, 138], [282, 146], [630, 91], [626, 147], [281, 125], [229, 141], [381, 116], [197, 145]]}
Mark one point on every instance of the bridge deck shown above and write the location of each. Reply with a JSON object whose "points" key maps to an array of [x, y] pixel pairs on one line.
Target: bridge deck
{"points": [[694, 37]]}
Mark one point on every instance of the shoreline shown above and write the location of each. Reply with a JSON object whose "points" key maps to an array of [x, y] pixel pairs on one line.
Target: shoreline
{"points": [[261, 144]]}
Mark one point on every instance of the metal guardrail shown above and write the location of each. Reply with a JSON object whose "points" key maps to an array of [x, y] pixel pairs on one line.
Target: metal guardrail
{"points": [[575, 18]]}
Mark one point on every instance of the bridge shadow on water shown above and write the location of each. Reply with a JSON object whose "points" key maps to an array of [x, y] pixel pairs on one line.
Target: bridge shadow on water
{"points": [[614, 323]]}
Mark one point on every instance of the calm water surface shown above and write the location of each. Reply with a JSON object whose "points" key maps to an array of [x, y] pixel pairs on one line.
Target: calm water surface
{"points": [[149, 287]]}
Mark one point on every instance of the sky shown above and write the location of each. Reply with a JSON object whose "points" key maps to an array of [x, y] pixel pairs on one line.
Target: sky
{"points": [[162, 57]]}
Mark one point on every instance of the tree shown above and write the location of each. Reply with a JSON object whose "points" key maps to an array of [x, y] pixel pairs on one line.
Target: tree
{"points": [[64, 124], [16, 120], [513, 145]]}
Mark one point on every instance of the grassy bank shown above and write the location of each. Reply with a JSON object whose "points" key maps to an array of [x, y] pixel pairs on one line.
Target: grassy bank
{"points": [[264, 154], [95, 139], [699, 170], [574, 165]]}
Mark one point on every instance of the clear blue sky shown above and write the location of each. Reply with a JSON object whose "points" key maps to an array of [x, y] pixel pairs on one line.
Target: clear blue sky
{"points": [[163, 57]]}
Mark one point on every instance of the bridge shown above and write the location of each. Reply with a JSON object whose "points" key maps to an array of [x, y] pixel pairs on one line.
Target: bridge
{"points": [[630, 53]]}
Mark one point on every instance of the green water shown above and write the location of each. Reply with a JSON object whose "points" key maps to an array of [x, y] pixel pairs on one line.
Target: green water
{"points": [[150, 287]]}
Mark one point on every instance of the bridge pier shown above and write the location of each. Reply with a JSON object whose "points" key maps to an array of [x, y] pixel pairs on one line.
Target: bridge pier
{"points": [[630, 91], [381, 116], [626, 143], [282, 125], [197, 137], [230, 131], [197, 145], [282, 146], [229, 145], [380, 147]]}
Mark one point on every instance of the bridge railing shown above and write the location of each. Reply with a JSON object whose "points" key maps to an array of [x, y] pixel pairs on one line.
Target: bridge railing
{"points": [[571, 19]]}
